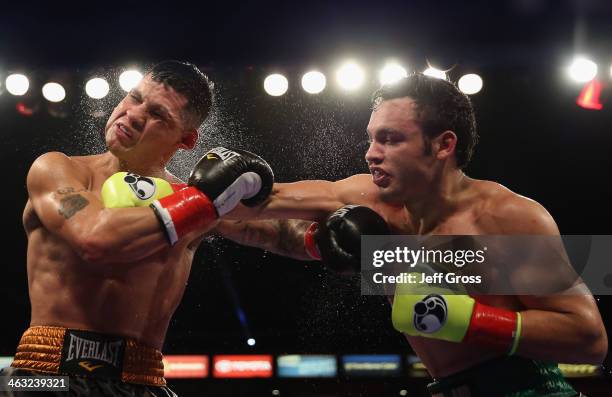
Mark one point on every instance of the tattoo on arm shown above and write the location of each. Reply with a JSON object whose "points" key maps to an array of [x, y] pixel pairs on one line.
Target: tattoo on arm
{"points": [[65, 190], [62, 191], [72, 204], [283, 237]]}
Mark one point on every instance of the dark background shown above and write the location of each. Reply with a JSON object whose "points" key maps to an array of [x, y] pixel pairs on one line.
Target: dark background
{"points": [[534, 139]]}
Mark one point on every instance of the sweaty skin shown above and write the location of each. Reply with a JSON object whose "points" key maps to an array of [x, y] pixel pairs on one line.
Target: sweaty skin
{"points": [[418, 192], [109, 270]]}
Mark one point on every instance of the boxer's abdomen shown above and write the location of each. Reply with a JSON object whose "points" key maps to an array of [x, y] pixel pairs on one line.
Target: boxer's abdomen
{"points": [[134, 300]]}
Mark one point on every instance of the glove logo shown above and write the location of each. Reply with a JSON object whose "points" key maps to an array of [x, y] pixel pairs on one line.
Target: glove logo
{"points": [[223, 153], [144, 188], [343, 211], [430, 314]]}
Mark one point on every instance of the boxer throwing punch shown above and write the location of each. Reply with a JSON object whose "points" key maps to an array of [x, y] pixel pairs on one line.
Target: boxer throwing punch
{"points": [[423, 133]]}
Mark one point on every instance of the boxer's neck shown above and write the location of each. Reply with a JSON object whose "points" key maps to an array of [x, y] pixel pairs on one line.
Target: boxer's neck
{"points": [[143, 167], [438, 203]]}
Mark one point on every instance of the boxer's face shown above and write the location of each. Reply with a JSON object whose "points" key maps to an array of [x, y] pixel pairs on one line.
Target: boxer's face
{"points": [[400, 164], [147, 124]]}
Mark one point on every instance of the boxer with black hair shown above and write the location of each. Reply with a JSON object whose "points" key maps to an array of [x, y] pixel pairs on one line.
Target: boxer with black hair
{"points": [[111, 238], [422, 135]]}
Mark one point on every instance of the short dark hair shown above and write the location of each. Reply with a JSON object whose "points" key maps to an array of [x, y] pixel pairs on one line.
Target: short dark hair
{"points": [[440, 106], [186, 79]]}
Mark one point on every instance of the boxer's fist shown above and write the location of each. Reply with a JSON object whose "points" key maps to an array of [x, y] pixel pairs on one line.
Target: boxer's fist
{"points": [[218, 182], [338, 238], [125, 189], [228, 176]]}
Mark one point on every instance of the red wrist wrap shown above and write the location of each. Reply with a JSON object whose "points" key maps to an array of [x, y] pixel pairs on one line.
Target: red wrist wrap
{"points": [[189, 209], [491, 327], [309, 243], [178, 186]]}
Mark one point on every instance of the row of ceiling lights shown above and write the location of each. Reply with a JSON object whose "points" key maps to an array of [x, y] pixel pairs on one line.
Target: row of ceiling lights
{"points": [[350, 76]]}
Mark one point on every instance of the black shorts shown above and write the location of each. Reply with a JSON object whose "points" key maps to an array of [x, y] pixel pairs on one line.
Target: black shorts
{"points": [[82, 386]]}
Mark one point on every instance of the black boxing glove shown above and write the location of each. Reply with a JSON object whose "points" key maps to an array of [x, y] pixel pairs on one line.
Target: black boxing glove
{"points": [[228, 176], [337, 240], [219, 181]]}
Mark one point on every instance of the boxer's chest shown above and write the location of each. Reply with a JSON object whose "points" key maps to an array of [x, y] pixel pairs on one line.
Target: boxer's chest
{"points": [[461, 223]]}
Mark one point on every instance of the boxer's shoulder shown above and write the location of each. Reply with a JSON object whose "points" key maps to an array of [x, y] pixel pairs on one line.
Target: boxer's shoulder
{"points": [[52, 166], [54, 160], [506, 212], [357, 189]]}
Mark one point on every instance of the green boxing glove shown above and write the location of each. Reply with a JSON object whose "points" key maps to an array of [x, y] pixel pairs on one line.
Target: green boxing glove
{"points": [[438, 313], [125, 189]]}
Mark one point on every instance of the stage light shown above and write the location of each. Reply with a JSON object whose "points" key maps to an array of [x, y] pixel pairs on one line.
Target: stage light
{"points": [[437, 73], [129, 79], [251, 342], [17, 84], [391, 73], [276, 84], [582, 70], [314, 82], [53, 92], [350, 76], [97, 88], [470, 84]]}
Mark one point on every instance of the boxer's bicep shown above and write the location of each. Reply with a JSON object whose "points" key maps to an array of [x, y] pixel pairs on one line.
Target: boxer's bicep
{"points": [[59, 196]]}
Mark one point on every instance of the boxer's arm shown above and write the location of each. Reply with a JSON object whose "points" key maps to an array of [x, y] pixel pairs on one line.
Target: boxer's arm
{"points": [[62, 200], [280, 236], [560, 328], [310, 200]]}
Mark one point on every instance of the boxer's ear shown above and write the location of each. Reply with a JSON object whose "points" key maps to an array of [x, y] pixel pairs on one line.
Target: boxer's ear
{"points": [[444, 145], [189, 140]]}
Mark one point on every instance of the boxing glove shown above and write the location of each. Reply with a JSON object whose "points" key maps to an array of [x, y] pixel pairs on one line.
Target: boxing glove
{"points": [[126, 189], [219, 181], [437, 312], [337, 240]]}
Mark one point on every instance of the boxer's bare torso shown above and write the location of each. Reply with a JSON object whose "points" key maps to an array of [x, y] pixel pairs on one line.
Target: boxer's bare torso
{"points": [[133, 299]]}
